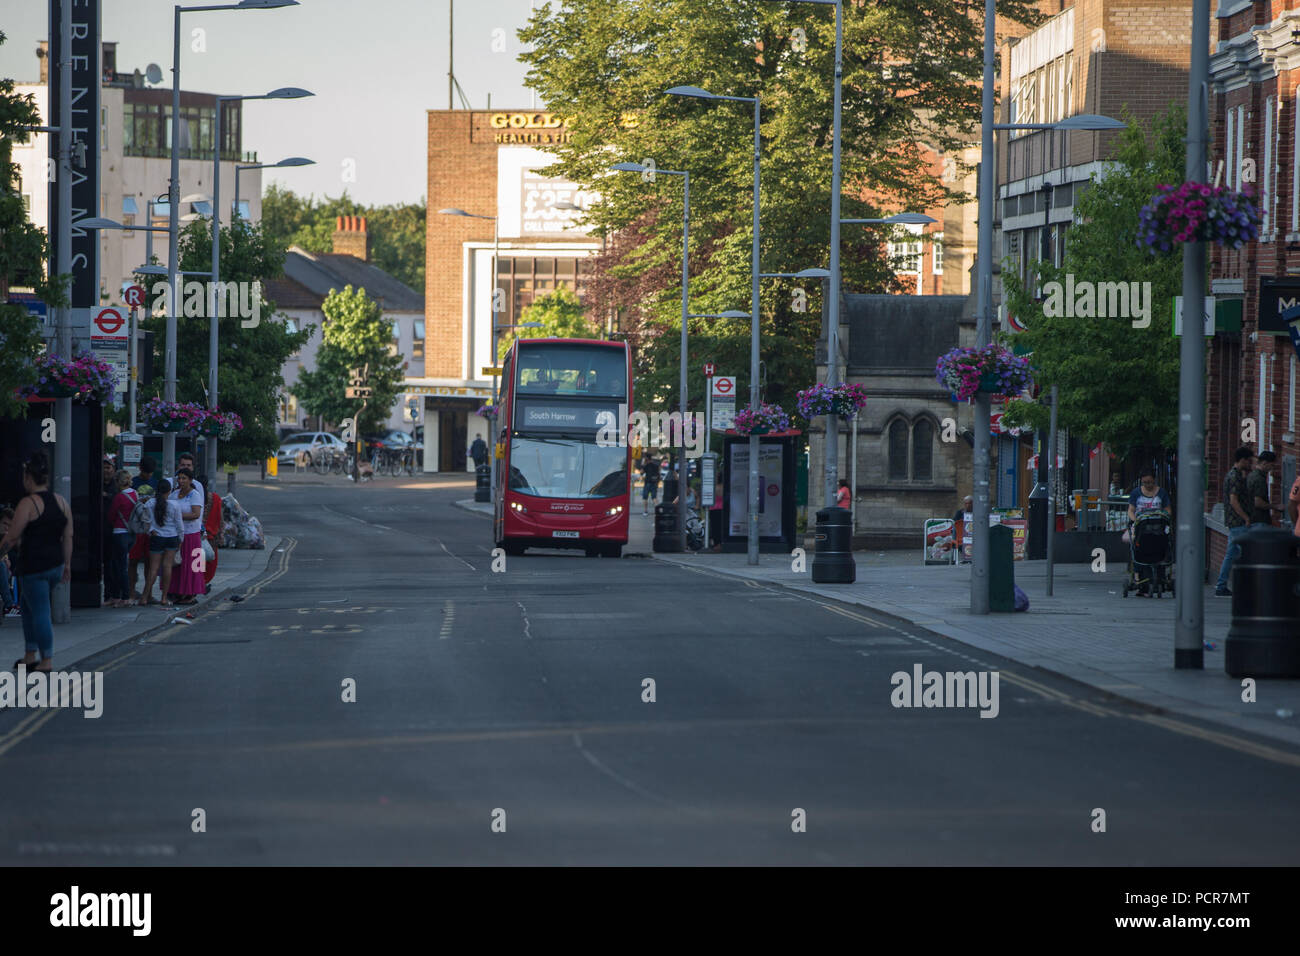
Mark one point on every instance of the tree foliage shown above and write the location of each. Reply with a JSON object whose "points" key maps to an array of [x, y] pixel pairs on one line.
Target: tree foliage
{"points": [[22, 252], [559, 315], [1118, 384], [355, 335], [249, 360], [911, 77], [396, 231]]}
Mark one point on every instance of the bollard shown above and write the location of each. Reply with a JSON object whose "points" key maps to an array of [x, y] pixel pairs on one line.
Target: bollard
{"points": [[1264, 639], [667, 538], [1002, 578], [832, 561], [483, 483]]}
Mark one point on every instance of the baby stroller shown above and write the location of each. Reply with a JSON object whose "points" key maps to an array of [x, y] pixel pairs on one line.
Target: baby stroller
{"points": [[1151, 555], [695, 531]]}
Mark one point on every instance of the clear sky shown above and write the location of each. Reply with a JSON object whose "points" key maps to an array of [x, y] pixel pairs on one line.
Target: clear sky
{"points": [[374, 65]]}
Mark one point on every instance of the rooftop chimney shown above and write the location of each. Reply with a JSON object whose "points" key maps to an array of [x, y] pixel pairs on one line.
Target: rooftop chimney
{"points": [[350, 237]]}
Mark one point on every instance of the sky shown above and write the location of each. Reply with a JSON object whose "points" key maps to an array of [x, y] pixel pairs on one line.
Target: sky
{"points": [[375, 67]]}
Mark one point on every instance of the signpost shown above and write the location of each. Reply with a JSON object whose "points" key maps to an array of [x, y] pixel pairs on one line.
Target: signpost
{"points": [[109, 340], [722, 397]]}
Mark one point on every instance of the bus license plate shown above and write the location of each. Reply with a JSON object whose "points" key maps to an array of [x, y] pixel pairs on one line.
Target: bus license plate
{"points": [[564, 534]]}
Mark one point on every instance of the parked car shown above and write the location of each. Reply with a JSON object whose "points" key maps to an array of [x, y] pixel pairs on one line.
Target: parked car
{"points": [[388, 439], [309, 442]]}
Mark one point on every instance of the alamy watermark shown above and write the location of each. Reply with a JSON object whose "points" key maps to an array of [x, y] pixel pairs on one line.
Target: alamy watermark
{"points": [[946, 689], [1101, 300], [33, 688], [239, 300], [658, 429]]}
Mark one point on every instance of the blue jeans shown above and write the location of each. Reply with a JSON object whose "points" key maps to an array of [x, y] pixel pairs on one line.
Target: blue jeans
{"points": [[1234, 552], [38, 631], [115, 579]]}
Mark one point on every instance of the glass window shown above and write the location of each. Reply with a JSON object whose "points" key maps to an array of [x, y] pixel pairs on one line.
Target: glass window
{"points": [[938, 254], [906, 256], [922, 450], [572, 370], [567, 468], [898, 450], [419, 329]]}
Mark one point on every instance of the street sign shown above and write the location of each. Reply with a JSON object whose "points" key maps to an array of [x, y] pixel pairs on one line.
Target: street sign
{"points": [[1209, 315], [722, 395], [109, 336], [133, 295], [491, 371], [724, 386], [709, 369], [355, 392]]}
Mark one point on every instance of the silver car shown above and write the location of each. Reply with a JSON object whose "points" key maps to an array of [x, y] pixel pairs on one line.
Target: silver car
{"points": [[309, 442]]}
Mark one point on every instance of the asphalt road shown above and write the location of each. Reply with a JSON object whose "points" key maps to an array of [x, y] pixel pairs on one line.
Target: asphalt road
{"points": [[490, 701]]}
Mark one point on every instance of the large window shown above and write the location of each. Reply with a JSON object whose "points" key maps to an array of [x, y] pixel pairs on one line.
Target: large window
{"points": [[146, 130], [524, 278], [911, 450], [575, 370], [567, 468], [1044, 95]]}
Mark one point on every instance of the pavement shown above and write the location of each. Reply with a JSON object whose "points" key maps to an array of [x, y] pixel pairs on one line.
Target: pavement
{"points": [[1086, 631]]}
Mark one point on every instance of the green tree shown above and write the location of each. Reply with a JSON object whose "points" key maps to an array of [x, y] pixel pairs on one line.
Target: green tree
{"points": [[396, 231], [22, 253], [559, 314], [1118, 384], [911, 76], [249, 359], [356, 335]]}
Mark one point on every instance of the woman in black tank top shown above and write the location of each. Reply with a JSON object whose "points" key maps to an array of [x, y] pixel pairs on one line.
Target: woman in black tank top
{"points": [[43, 523]]}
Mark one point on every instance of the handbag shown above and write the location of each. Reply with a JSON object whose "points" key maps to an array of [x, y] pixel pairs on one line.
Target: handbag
{"points": [[209, 555]]}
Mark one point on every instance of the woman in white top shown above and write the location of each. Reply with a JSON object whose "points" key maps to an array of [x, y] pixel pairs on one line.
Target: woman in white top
{"points": [[166, 526], [187, 579]]}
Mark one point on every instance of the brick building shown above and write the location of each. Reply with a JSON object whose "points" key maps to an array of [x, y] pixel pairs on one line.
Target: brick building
{"points": [[488, 163], [1251, 380]]}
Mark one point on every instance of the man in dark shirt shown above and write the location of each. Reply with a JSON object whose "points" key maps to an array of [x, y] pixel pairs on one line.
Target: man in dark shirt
{"points": [[479, 451], [1236, 514], [1261, 508], [145, 477]]}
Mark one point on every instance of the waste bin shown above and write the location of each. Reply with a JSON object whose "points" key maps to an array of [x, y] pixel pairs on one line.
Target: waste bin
{"points": [[1264, 639], [832, 561], [667, 537], [483, 483], [1002, 579]]}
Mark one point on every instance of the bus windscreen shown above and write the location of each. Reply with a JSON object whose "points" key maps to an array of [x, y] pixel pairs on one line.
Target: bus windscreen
{"points": [[577, 370], [567, 468]]}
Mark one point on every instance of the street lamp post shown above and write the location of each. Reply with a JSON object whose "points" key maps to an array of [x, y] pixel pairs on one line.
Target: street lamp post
{"points": [[496, 249], [755, 491], [173, 197], [683, 480], [291, 161], [284, 93]]}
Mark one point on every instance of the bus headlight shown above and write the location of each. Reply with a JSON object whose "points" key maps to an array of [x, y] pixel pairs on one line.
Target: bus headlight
{"points": [[614, 511], [516, 506]]}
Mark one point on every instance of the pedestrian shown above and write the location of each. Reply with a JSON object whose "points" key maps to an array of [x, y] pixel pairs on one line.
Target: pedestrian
{"points": [[187, 577], [1293, 507], [479, 451], [7, 600], [649, 484], [107, 492], [117, 589], [715, 514], [967, 506], [1236, 514], [843, 497], [43, 523], [165, 529], [1261, 508], [1147, 496], [186, 460], [145, 478], [211, 531]]}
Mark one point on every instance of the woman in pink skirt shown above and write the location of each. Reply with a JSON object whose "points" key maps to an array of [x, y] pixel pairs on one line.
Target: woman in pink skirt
{"points": [[187, 576]]}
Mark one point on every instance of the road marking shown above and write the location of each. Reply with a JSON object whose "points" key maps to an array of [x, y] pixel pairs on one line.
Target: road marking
{"points": [[368, 524], [96, 849], [448, 619], [617, 777], [528, 631]]}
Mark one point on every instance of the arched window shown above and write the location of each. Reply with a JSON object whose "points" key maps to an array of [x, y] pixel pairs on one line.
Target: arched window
{"points": [[922, 450], [898, 450]]}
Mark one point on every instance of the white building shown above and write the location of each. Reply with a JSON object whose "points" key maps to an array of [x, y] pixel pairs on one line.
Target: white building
{"points": [[135, 164]]}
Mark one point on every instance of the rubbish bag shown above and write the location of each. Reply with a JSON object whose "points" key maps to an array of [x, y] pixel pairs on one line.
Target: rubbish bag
{"points": [[1022, 599]]}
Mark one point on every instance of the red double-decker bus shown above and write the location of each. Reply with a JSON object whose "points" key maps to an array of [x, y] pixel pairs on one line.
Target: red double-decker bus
{"points": [[560, 482]]}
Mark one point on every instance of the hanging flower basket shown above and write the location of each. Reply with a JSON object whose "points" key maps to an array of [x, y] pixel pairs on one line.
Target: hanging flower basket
{"points": [[166, 416], [994, 369], [844, 400], [487, 410], [83, 379], [768, 418], [1197, 212], [228, 423]]}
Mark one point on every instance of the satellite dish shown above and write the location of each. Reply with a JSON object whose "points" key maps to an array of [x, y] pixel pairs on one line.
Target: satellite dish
{"points": [[153, 73]]}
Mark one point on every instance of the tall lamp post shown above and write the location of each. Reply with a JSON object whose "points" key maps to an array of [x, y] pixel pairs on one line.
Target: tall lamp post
{"points": [[284, 93], [979, 578], [173, 195], [291, 161], [496, 249], [684, 472], [755, 491]]}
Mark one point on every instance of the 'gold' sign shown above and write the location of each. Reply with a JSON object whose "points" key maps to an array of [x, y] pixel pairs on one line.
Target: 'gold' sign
{"points": [[528, 121]]}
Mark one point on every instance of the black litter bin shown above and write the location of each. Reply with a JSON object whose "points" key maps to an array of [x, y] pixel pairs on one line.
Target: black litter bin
{"points": [[1264, 639], [667, 537], [1002, 568], [483, 483], [833, 556]]}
